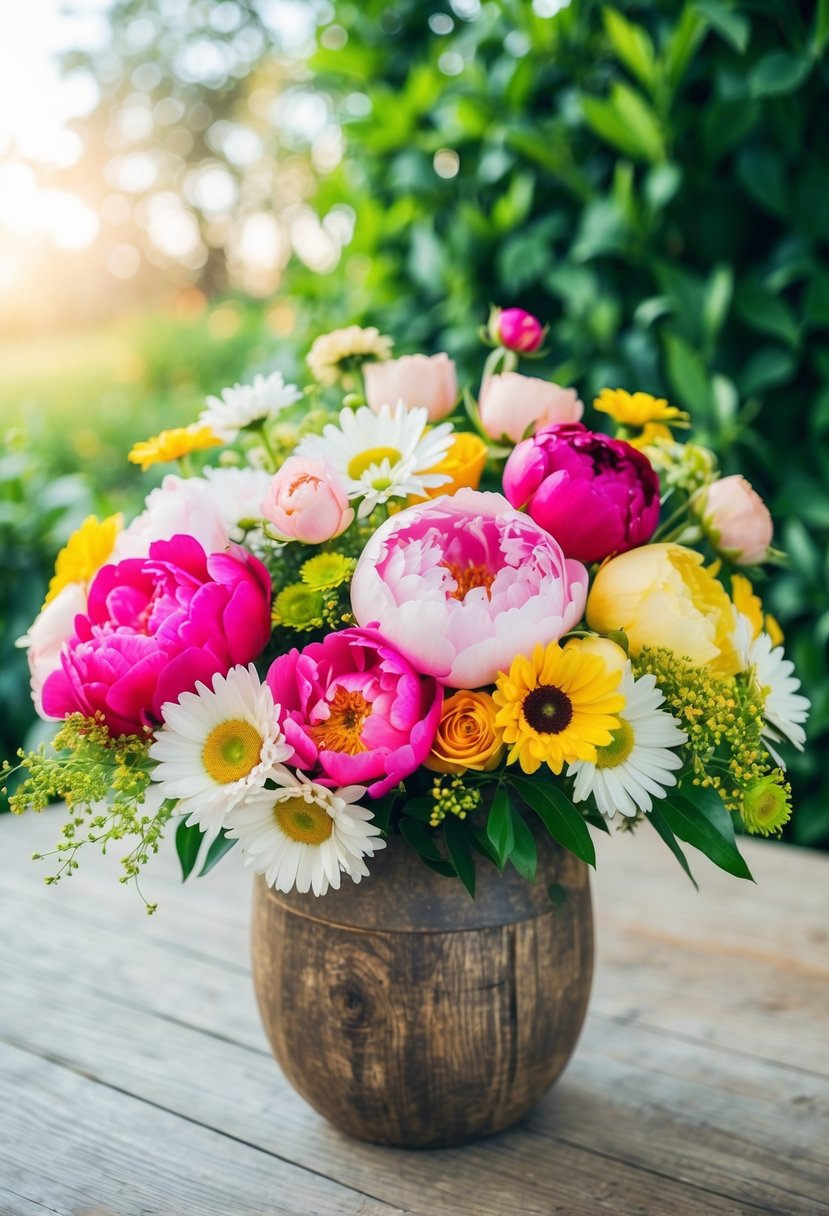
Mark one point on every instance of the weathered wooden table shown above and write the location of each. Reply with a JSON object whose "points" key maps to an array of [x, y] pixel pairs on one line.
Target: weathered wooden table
{"points": [[135, 1077]]}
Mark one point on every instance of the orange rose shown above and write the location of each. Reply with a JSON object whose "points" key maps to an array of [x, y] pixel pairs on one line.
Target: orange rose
{"points": [[466, 735], [464, 463]]}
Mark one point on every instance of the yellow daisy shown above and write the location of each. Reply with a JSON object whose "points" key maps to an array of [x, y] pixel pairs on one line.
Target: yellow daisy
{"points": [[638, 409], [651, 433], [172, 445], [557, 707], [84, 553], [750, 605]]}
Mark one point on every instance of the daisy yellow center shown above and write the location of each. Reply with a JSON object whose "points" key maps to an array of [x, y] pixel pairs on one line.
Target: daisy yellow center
{"points": [[363, 461], [547, 709], [305, 822], [619, 748], [467, 577], [231, 751], [343, 728]]}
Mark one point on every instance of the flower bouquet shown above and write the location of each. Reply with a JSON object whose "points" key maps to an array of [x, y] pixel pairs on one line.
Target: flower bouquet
{"points": [[383, 620]]}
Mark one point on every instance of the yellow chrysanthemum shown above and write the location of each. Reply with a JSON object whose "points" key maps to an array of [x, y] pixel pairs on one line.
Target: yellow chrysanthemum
{"points": [[172, 445], [750, 605], [638, 409], [84, 553], [557, 707]]}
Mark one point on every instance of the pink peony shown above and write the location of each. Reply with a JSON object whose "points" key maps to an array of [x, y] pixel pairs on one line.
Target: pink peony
{"points": [[354, 707], [737, 520], [463, 584], [307, 502], [154, 626], [516, 330], [511, 402], [427, 381], [594, 494], [53, 626]]}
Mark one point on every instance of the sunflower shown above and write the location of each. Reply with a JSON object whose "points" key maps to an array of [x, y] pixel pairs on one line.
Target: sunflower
{"points": [[638, 409], [558, 707]]}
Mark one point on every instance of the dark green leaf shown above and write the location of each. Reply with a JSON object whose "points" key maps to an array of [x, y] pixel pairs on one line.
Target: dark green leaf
{"points": [[459, 847], [499, 826], [705, 824], [734, 27], [557, 894], [221, 845], [524, 855], [777, 73], [420, 838], [188, 843], [481, 842], [688, 376], [657, 820], [561, 819]]}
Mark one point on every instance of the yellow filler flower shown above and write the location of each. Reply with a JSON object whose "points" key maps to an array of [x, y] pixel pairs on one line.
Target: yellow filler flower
{"points": [[638, 409], [172, 445], [84, 553], [557, 707]]}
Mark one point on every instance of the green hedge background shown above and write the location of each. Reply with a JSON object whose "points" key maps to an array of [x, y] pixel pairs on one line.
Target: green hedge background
{"points": [[649, 178]]}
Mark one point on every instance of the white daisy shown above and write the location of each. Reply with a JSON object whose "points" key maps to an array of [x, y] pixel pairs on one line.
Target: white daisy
{"points": [[218, 745], [383, 455], [784, 708], [639, 764], [305, 835], [245, 404]]}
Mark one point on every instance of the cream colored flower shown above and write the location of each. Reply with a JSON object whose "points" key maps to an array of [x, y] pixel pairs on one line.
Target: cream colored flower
{"points": [[330, 351]]}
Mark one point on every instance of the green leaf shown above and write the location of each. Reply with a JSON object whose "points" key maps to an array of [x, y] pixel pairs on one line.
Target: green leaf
{"points": [[688, 376], [420, 838], [419, 808], [821, 31], [632, 44], [763, 176], [561, 819], [188, 843], [626, 121], [499, 826], [481, 842], [524, 855], [705, 824], [557, 894], [459, 848], [768, 314], [683, 43], [766, 369], [734, 27], [778, 73], [221, 845], [718, 292], [657, 820]]}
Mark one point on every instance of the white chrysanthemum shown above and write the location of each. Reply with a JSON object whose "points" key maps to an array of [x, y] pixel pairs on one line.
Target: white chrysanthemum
{"points": [[245, 404], [217, 745], [383, 455], [639, 765], [784, 708], [305, 836], [330, 350]]}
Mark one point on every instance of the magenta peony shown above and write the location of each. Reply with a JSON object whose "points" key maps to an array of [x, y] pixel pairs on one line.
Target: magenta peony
{"points": [[595, 495], [154, 626], [462, 584], [516, 330], [419, 381], [737, 520], [352, 706], [307, 502], [510, 403]]}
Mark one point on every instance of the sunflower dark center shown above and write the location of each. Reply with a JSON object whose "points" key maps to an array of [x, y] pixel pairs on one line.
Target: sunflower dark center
{"points": [[547, 709]]}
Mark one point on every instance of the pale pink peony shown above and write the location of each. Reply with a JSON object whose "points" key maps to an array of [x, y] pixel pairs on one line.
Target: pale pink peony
{"points": [[354, 708], [510, 403], [737, 520], [155, 626], [516, 329], [52, 627], [307, 502], [427, 381], [463, 584]]}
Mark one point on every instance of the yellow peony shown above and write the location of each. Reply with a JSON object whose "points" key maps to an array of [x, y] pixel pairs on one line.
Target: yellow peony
{"points": [[466, 735], [464, 463], [84, 553], [661, 595], [638, 409]]}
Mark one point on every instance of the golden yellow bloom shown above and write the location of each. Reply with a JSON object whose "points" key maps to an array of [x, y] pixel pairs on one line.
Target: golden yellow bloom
{"points": [[466, 735], [464, 463], [751, 606], [84, 553], [330, 351], [611, 654], [649, 435], [661, 595], [638, 409], [172, 445], [558, 707]]}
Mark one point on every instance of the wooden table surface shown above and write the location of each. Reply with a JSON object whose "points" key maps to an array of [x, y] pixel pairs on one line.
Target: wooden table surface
{"points": [[135, 1077]]}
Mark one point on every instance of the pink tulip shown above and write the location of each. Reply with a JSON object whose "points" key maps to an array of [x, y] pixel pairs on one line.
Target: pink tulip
{"points": [[511, 402], [307, 502], [354, 708], [516, 330], [462, 584], [154, 626], [594, 494], [737, 520], [427, 381]]}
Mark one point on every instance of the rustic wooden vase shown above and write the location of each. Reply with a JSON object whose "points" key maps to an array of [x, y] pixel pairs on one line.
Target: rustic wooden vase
{"points": [[408, 1014]]}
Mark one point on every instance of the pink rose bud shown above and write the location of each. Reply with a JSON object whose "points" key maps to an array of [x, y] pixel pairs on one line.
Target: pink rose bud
{"points": [[516, 330], [594, 494], [737, 520], [426, 381], [307, 502], [510, 403]]}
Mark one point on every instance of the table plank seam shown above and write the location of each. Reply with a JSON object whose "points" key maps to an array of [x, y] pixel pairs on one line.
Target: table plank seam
{"points": [[35, 1203]]}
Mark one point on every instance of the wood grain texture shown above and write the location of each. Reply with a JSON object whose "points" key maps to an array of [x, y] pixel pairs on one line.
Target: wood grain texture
{"points": [[700, 1086], [425, 1018]]}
